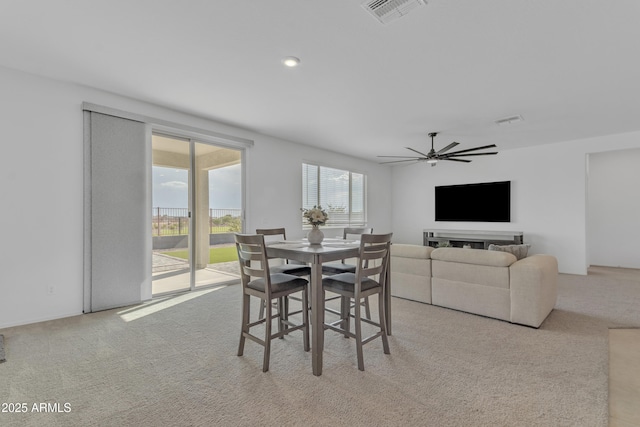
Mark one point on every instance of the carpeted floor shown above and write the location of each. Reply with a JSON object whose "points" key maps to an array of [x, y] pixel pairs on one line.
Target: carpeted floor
{"points": [[624, 377], [172, 362]]}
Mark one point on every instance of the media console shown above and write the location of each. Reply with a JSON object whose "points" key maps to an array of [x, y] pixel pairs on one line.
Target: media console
{"points": [[476, 239]]}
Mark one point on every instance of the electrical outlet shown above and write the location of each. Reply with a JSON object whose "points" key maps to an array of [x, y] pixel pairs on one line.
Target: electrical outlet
{"points": [[50, 289]]}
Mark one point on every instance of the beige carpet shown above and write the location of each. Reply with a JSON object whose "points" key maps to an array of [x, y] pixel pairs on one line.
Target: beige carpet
{"points": [[172, 363], [624, 377]]}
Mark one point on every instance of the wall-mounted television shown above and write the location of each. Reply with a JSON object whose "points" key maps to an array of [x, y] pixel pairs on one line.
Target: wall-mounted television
{"points": [[481, 202]]}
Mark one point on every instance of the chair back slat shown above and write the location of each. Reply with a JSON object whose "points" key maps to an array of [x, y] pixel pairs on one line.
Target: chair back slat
{"points": [[374, 257], [252, 257], [356, 231], [271, 231], [274, 235]]}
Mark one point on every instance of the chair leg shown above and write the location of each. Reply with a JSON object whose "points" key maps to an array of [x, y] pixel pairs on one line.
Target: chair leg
{"points": [[305, 319], [367, 309], [285, 315], [365, 303], [281, 314], [383, 323], [267, 338], [262, 304], [358, 328], [345, 314], [245, 322]]}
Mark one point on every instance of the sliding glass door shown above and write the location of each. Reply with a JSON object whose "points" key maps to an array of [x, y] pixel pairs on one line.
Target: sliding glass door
{"points": [[197, 206], [171, 214], [218, 213]]}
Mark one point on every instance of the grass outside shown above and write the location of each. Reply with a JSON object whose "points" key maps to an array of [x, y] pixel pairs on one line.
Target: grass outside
{"points": [[216, 255]]}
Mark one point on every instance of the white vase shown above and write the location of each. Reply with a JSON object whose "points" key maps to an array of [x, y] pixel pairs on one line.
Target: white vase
{"points": [[315, 236]]}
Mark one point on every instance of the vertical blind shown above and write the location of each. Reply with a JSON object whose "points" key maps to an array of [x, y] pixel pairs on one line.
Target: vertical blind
{"points": [[117, 247], [341, 193]]}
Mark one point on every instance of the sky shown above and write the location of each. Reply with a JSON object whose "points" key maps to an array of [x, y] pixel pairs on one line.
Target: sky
{"points": [[170, 187]]}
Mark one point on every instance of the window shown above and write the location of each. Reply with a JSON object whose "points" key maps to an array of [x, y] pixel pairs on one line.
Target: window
{"points": [[341, 193]]}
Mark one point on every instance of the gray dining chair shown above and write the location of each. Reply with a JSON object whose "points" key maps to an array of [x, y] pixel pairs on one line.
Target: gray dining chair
{"points": [[342, 266], [296, 269], [373, 261], [258, 281], [287, 266], [331, 268]]}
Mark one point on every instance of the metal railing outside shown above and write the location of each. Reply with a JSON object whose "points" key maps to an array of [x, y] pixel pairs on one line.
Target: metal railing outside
{"points": [[175, 221]]}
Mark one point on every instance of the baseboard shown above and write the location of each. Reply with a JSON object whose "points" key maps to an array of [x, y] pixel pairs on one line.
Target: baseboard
{"points": [[38, 320]]}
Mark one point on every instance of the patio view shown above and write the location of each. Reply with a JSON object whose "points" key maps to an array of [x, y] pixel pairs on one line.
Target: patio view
{"points": [[197, 208], [171, 228]]}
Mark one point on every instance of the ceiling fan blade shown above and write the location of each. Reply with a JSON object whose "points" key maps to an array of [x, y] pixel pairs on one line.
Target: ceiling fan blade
{"points": [[416, 151], [465, 155], [447, 148], [455, 160], [443, 154], [472, 149], [415, 159], [400, 157]]}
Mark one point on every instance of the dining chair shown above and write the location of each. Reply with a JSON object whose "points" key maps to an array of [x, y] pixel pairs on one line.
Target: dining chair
{"points": [[279, 234], [258, 281], [301, 270], [332, 268], [373, 261]]}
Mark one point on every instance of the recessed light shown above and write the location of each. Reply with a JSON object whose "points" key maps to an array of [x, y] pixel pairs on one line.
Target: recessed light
{"points": [[291, 61]]}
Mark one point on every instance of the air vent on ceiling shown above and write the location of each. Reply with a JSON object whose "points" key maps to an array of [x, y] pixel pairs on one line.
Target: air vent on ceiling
{"points": [[386, 11], [509, 120]]}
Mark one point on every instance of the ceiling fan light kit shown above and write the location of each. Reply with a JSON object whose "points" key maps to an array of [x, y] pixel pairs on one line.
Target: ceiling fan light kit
{"points": [[433, 156]]}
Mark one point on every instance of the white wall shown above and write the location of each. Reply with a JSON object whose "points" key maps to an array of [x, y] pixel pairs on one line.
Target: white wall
{"points": [[275, 167], [548, 195], [41, 171], [613, 209]]}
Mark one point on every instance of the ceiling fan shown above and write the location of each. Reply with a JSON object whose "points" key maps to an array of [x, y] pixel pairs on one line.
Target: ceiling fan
{"points": [[433, 156]]}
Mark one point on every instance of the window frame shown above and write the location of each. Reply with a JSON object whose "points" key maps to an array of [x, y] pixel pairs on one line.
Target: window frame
{"points": [[351, 219]]}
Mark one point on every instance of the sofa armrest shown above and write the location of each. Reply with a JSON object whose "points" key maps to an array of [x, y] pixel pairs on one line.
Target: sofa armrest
{"points": [[411, 272], [533, 285]]}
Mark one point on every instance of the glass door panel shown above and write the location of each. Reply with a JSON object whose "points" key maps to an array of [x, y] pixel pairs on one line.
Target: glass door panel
{"points": [[171, 218], [218, 213]]}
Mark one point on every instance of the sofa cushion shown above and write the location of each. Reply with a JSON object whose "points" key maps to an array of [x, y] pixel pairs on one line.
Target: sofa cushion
{"points": [[474, 256], [462, 272], [411, 251], [520, 251], [471, 297]]}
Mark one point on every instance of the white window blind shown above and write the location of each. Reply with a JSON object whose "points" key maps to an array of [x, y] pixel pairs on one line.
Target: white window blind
{"points": [[341, 193]]}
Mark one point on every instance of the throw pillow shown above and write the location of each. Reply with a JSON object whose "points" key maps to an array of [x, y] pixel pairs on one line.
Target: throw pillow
{"points": [[520, 251]]}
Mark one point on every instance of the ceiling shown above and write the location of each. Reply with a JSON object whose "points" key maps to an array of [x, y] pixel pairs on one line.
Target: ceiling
{"points": [[571, 68]]}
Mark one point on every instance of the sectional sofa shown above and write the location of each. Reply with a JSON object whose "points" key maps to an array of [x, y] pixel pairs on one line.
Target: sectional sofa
{"points": [[489, 283]]}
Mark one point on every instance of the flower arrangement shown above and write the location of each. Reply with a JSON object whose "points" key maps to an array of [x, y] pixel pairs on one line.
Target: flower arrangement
{"points": [[315, 216]]}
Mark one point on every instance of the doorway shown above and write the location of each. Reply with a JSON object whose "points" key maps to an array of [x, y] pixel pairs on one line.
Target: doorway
{"points": [[197, 206]]}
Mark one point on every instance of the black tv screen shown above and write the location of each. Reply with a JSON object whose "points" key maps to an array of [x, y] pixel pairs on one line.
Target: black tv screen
{"points": [[482, 202]]}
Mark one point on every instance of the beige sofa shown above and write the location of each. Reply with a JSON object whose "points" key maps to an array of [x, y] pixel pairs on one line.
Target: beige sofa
{"points": [[489, 283]]}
